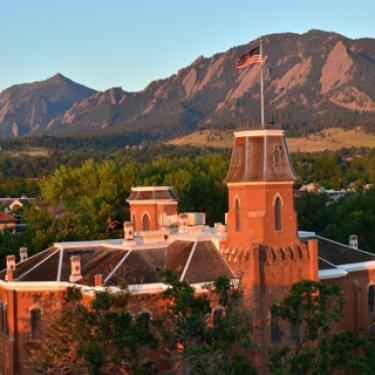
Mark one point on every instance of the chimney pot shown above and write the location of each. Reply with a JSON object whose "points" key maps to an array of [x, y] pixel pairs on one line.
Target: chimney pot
{"points": [[128, 231], [353, 241], [98, 280], [23, 253], [75, 268], [11, 267]]}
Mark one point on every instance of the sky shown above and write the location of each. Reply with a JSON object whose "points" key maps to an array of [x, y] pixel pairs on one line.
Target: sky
{"points": [[129, 43]]}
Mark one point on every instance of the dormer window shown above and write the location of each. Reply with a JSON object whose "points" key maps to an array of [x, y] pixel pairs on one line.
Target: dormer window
{"points": [[277, 155]]}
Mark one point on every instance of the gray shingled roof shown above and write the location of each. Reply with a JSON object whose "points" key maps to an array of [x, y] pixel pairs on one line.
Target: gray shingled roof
{"points": [[194, 261]]}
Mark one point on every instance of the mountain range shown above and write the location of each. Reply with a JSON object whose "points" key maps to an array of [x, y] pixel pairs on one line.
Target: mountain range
{"points": [[313, 81]]}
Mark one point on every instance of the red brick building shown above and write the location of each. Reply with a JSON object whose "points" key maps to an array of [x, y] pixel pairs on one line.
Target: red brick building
{"points": [[261, 245]]}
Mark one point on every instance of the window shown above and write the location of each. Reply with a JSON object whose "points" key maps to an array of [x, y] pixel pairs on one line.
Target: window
{"points": [[146, 222], [143, 319], [35, 322], [275, 330], [278, 214], [2, 317], [295, 332], [371, 298], [134, 222], [217, 315], [237, 215]]}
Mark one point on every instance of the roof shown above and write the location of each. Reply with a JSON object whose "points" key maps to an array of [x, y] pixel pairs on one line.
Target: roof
{"points": [[6, 202], [6, 218], [335, 256], [194, 261], [260, 155], [141, 193]]}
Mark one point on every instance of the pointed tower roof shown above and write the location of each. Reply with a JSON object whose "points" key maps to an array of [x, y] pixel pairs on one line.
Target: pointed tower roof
{"points": [[260, 155]]}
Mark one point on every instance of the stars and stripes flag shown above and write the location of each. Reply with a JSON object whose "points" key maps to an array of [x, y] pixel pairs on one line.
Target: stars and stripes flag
{"points": [[253, 57]]}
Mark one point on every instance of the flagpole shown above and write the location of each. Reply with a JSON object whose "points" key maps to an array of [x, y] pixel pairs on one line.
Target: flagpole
{"points": [[261, 84]]}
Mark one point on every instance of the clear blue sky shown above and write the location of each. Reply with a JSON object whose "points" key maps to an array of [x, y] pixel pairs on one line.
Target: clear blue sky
{"points": [[128, 43]]}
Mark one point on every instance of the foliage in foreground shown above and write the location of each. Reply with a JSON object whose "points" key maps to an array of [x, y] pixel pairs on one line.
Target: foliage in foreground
{"points": [[310, 311], [202, 340], [192, 337], [100, 339]]}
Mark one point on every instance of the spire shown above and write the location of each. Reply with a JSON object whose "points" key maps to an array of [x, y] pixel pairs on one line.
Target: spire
{"points": [[260, 155]]}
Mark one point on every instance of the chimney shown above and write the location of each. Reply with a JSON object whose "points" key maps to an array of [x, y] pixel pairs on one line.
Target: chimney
{"points": [[128, 231], [353, 241], [182, 223], [11, 267], [220, 229], [23, 253], [75, 268], [98, 279]]}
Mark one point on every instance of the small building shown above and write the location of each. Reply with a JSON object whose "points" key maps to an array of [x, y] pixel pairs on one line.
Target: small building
{"points": [[7, 221], [18, 203]]}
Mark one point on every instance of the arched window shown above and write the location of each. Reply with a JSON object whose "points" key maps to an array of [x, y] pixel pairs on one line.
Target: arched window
{"points": [[2, 317], [275, 329], [146, 222], [237, 215], [278, 214], [143, 319], [217, 315], [371, 298], [295, 332], [35, 322]]}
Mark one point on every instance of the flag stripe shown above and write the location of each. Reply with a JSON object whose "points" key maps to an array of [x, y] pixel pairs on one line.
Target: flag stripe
{"points": [[243, 63], [250, 58]]}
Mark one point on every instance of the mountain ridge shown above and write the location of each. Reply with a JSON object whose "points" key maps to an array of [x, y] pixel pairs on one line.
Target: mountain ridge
{"points": [[314, 81]]}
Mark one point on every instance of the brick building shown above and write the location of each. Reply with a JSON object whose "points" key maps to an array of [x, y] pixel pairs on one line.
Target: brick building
{"points": [[260, 244]]}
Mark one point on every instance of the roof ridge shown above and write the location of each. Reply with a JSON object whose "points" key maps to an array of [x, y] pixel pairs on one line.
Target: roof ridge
{"points": [[38, 264], [118, 265], [327, 261], [192, 252]]}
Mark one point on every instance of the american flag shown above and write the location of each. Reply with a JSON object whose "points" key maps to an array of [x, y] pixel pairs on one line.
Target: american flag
{"points": [[250, 58]]}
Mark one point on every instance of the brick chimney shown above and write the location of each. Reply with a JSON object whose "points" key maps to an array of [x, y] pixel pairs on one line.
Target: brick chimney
{"points": [[182, 223], [98, 279], [11, 267], [353, 241], [23, 253], [128, 231], [75, 268]]}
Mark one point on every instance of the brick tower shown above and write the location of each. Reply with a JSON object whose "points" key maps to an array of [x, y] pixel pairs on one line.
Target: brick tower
{"points": [[262, 246], [260, 185]]}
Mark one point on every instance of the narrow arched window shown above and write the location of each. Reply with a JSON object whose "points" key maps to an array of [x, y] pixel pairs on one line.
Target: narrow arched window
{"points": [[371, 298], [295, 332], [146, 222], [35, 322], [143, 320], [275, 329], [237, 215], [278, 214], [217, 315], [2, 317], [134, 222]]}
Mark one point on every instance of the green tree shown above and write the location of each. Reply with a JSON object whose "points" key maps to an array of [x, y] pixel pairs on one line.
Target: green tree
{"points": [[309, 311], [203, 340], [98, 339]]}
